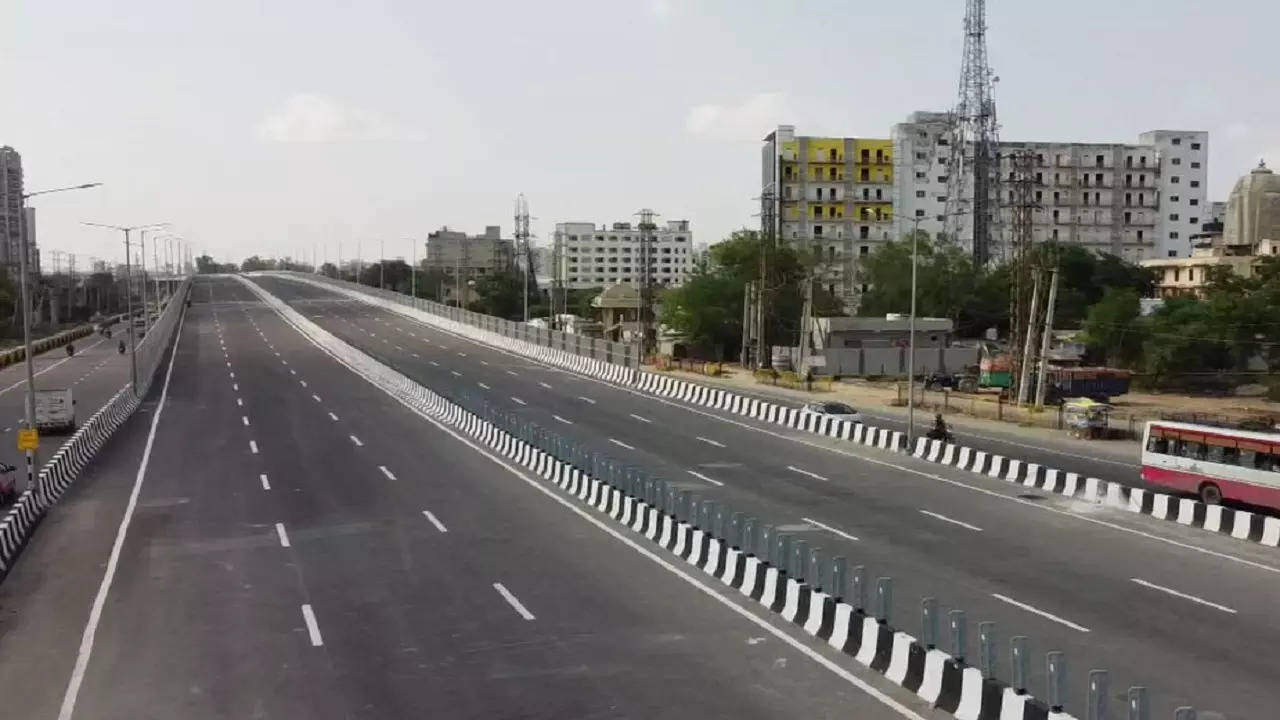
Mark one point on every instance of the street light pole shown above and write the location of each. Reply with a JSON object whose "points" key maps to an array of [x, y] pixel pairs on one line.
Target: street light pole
{"points": [[911, 346], [128, 292], [413, 270], [26, 317], [382, 265]]}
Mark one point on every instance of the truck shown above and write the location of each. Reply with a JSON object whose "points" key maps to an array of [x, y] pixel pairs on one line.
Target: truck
{"points": [[55, 411]]}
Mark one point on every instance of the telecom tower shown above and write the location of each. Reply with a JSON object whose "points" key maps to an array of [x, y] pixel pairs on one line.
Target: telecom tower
{"points": [[647, 260], [974, 165], [522, 247]]}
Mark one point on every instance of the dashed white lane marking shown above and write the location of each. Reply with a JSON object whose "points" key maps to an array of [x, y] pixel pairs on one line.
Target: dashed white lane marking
{"points": [[518, 401], [1183, 595], [434, 363], [399, 348], [486, 387], [621, 444], [512, 373], [245, 419], [303, 383], [513, 601], [333, 417], [292, 371], [232, 374], [1038, 611], [545, 385], [253, 446], [356, 440], [317, 397], [560, 419], [456, 373], [462, 354], [313, 628], [266, 484], [700, 476], [435, 521], [709, 441], [813, 475], [641, 419], [228, 363], [235, 386], [482, 362], [388, 473], [830, 529], [239, 402], [586, 399], [416, 355], [284, 537], [953, 521]]}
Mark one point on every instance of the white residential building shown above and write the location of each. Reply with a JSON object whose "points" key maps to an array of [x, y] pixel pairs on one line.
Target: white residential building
{"points": [[592, 257], [1137, 201]]}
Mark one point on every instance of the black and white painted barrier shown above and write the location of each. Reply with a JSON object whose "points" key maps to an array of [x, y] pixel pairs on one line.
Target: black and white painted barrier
{"points": [[701, 541], [61, 470], [1239, 524]]}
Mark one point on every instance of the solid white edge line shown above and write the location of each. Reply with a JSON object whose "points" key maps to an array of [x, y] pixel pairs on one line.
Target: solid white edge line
{"points": [[113, 560], [813, 475], [696, 583], [700, 476], [513, 601], [1038, 611], [435, 521], [560, 419], [709, 441], [828, 528], [313, 628], [1184, 596], [953, 521], [641, 419], [333, 417], [245, 419], [544, 385], [284, 536], [518, 401], [586, 399]]}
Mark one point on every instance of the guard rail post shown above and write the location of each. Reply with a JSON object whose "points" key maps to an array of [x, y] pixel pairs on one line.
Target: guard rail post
{"points": [[929, 622], [987, 648], [1139, 709], [884, 600], [959, 634]]}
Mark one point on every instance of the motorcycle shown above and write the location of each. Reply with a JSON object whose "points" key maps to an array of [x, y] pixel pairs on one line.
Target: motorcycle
{"points": [[71, 349], [120, 347]]}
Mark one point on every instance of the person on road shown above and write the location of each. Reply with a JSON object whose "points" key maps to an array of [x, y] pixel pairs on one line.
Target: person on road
{"points": [[939, 431]]}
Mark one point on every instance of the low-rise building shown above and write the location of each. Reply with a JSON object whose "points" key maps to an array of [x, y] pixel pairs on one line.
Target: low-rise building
{"points": [[592, 257], [464, 259]]}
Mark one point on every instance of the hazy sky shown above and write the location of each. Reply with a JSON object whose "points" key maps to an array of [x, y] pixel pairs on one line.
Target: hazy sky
{"points": [[277, 126]]}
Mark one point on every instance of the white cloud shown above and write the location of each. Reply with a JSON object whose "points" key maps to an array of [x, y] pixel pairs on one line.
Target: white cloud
{"points": [[308, 118], [750, 119]]}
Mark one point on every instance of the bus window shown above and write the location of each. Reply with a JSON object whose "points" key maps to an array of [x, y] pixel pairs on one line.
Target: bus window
{"points": [[1158, 445], [1191, 450], [1263, 461], [1230, 456], [1214, 453], [1248, 458]]}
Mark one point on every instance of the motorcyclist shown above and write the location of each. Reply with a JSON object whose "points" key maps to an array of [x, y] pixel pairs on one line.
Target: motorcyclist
{"points": [[939, 431], [120, 347]]}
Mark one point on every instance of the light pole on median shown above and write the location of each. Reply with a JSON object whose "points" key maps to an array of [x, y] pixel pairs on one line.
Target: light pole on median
{"points": [[128, 294], [911, 346], [26, 315], [146, 310]]}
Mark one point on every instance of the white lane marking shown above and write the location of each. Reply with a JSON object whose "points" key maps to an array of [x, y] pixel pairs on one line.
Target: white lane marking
{"points": [[560, 419], [284, 362], [245, 419], [400, 348], [462, 354], [585, 399], [228, 363], [313, 628], [482, 362], [715, 595], [456, 373], [953, 521], [292, 371], [356, 440], [486, 387], [303, 383], [545, 385], [621, 444], [317, 397], [235, 386], [386, 472], [700, 476], [709, 441], [266, 484], [518, 401], [113, 560], [239, 402], [1183, 595], [232, 374], [284, 537], [435, 521], [641, 419], [333, 417], [828, 528], [1038, 611], [511, 373], [253, 446], [416, 355], [433, 362], [513, 601], [23, 381], [813, 475]]}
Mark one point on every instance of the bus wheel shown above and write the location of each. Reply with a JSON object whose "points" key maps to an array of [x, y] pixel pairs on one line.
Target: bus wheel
{"points": [[1210, 494]]}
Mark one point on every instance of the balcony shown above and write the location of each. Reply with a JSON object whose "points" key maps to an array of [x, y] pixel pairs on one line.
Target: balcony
{"points": [[883, 161]]}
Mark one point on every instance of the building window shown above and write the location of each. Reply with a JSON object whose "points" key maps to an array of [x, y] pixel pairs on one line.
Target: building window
{"points": [[1128, 199], [879, 195], [920, 175], [1054, 234], [1176, 161], [919, 213], [1177, 141], [1195, 165], [1173, 217], [1083, 196], [1175, 179], [1173, 198], [1039, 195], [1195, 183], [1128, 218], [940, 218], [864, 250], [1195, 221], [1098, 160], [920, 156], [1173, 235], [865, 175], [1193, 201], [1139, 236], [919, 193], [864, 232], [1141, 201], [1055, 198], [1097, 178], [1195, 146], [817, 231], [1097, 198]]}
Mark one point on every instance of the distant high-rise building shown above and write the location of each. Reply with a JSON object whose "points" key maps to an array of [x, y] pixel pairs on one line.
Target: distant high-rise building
{"points": [[33, 247], [11, 220], [472, 256], [592, 257]]}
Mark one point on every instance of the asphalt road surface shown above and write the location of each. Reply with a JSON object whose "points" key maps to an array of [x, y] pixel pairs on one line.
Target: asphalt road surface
{"points": [[1188, 614], [303, 546]]}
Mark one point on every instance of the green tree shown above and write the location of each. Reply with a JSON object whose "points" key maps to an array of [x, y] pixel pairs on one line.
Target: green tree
{"points": [[946, 280], [1114, 327], [254, 263]]}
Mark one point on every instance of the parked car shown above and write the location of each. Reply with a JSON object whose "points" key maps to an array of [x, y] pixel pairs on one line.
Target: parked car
{"points": [[835, 410]]}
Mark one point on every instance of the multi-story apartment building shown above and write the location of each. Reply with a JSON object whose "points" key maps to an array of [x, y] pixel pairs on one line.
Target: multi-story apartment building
{"points": [[11, 219], [466, 258], [1136, 201], [833, 199], [592, 257]]}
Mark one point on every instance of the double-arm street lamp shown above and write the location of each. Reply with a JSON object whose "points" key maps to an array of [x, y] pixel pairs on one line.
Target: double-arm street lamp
{"points": [[26, 314], [128, 292]]}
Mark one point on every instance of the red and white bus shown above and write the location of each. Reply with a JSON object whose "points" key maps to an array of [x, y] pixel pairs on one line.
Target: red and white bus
{"points": [[1215, 463]]}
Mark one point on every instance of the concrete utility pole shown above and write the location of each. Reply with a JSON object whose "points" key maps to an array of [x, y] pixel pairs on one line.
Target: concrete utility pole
{"points": [[1044, 341], [1024, 369], [522, 245], [748, 318]]}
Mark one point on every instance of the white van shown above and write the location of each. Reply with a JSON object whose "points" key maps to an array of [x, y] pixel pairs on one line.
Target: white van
{"points": [[55, 410]]}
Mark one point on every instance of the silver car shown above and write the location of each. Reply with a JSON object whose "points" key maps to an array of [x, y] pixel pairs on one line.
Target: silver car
{"points": [[835, 410]]}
